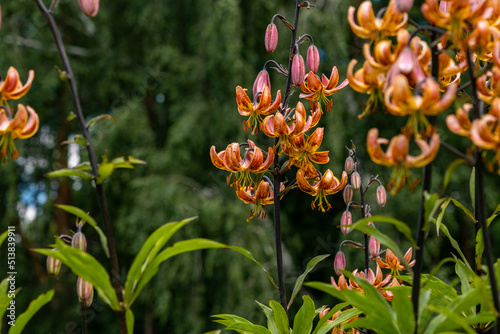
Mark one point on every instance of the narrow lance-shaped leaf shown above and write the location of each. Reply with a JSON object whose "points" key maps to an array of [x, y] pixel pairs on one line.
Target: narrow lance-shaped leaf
{"points": [[280, 317], [303, 321], [32, 309], [88, 268], [129, 318], [300, 280], [67, 172]]}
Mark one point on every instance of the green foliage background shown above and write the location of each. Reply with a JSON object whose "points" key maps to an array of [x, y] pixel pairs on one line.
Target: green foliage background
{"points": [[167, 71]]}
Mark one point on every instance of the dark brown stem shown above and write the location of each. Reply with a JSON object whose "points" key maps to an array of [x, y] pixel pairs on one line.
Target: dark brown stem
{"points": [[115, 268], [83, 311]]}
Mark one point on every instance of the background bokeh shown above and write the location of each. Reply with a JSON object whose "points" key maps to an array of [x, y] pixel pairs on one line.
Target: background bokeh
{"points": [[167, 71]]}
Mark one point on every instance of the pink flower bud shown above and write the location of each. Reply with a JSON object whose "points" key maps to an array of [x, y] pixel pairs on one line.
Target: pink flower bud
{"points": [[349, 165], [339, 263], [345, 222], [53, 266], [84, 289], [313, 58], [271, 39], [298, 70], [79, 241], [404, 6], [89, 7], [356, 180], [261, 81], [348, 193], [373, 247], [381, 195]]}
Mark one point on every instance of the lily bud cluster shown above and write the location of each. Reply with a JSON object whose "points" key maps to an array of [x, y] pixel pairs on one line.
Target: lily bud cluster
{"points": [[293, 130]]}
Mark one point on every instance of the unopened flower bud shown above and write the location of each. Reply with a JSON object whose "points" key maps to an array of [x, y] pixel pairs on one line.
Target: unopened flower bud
{"points": [[346, 222], [271, 39], [313, 58], [89, 301], [404, 6], [349, 165], [373, 247], [339, 262], [381, 195], [298, 70], [53, 265], [84, 290], [89, 7], [79, 241], [356, 180], [348, 193], [261, 81]]}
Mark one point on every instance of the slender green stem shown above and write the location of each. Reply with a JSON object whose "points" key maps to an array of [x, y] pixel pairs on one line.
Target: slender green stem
{"points": [[115, 268]]}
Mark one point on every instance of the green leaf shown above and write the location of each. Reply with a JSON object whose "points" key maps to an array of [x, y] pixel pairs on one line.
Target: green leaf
{"points": [[230, 319], [280, 317], [87, 218], [440, 217], [303, 321], [465, 210], [341, 318], [271, 325], [151, 247], [184, 247], [494, 215], [129, 318], [3, 236], [33, 307], [322, 325], [105, 171], [453, 242], [99, 118], [400, 226], [431, 204], [88, 268], [449, 172], [4, 299], [249, 328], [70, 117], [66, 172], [403, 307], [300, 280]]}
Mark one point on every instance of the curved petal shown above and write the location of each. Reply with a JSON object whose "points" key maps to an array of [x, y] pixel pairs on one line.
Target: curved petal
{"points": [[31, 126], [304, 184], [217, 158]]}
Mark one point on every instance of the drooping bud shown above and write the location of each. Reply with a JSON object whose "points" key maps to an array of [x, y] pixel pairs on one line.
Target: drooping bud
{"points": [[346, 222], [79, 241], [89, 7], [404, 6], [381, 195], [313, 58], [348, 193], [53, 265], [339, 262], [271, 38], [349, 165], [261, 81], [84, 289], [89, 301], [356, 180], [298, 70], [373, 247]]}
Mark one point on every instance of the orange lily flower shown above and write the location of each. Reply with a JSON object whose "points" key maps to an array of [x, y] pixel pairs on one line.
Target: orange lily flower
{"points": [[316, 90], [392, 262], [460, 123], [400, 101], [374, 28], [252, 162], [488, 85], [397, 155], [259, 196], [369, 81], [12, 88], [482, 39], [376, 280], [21, 126], [303, 153], [328, 184], [449, 72], [255, 111], [485, 133], [279, 126]]}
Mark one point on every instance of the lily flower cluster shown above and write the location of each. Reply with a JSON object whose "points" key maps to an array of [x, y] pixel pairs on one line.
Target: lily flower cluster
{"points": [[21, 125], [293, 130]]}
